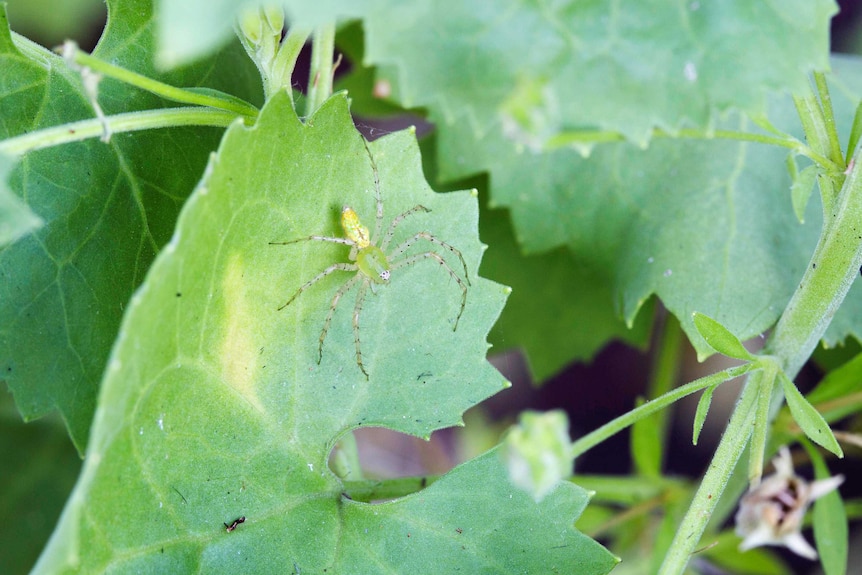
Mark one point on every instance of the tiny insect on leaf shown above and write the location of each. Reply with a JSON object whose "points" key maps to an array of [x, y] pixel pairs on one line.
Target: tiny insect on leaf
{"points": [[235, 523]]}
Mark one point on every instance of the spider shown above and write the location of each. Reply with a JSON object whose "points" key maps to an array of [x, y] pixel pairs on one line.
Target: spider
{"points": [[372, 263]]}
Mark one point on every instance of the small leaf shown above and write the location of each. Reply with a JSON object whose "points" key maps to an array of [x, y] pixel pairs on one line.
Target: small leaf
{"points": [[719, 338], [808, 418], [855, 132], [646, 444], [700, 414], [761, 424], [830, 522], [800, 190]]}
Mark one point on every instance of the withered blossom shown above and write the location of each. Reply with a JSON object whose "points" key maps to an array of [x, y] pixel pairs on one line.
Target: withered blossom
{"points": [[771, 513]]}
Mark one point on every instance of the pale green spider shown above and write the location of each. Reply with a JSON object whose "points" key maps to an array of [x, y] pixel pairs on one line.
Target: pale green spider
{"points": [[372, 264]]}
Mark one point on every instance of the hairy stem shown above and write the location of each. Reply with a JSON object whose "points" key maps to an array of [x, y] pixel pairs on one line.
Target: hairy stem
{"points": [[183, 96], [828, 277], [320, 75], [590, 440], [714, 481], [285, 61], [130, 122], [569, 138]]}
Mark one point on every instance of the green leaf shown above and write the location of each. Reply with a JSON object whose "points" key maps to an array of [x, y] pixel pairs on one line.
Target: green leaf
{"points": [[216, 407], [575, 315], [720, 338], [762, 424], [830, 521], [842, 384], [646, 444], [800, 190], [758, 561], [700, 414], [454, 527], [699, 223], [107, 208], [653, 65], [688, 221], [40, 465], [560, 310], [855, 132], [16, 219], [808, 418], [650, 66]]}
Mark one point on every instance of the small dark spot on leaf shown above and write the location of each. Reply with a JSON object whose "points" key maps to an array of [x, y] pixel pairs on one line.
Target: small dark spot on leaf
{"points": [[179, 294], [459, 530], [814, 266], [233, 525]]}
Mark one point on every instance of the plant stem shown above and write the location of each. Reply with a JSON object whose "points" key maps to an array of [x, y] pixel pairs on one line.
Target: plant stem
{"points": [[130, 122], [568, 138], [320, 75], [833, 268], [285, 61], [828, 277], [590, 440], [705, 499], [828, 118], [161, 89]]}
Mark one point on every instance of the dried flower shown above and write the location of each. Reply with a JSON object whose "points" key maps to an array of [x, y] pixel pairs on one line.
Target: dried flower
{"points": [[771, 513]]}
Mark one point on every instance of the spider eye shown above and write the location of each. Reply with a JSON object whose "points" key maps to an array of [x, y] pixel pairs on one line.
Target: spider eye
{"points": [[384, 275]]}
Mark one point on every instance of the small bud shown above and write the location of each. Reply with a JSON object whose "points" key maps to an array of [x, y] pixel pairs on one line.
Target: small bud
{"points": [[251, 24], [274, 19], [772, 512], [537, 452]]}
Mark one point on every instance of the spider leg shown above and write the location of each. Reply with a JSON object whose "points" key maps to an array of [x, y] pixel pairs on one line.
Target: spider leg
{"points": [[360, 299], [378, 221], [403, 246], [391, 231], [333, 268], [341, 291], [344, 241], [435, 256]]}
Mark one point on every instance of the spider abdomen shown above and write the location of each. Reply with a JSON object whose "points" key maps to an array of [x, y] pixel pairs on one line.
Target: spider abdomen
{"points": [[354, 229]]}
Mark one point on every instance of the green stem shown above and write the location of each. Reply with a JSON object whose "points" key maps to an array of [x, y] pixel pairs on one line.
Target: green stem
{"points": [[828, 118], [285, 61], [130, 122], [830, 273], [590, 440], [163, 90], [729, 450], [568, 138], [828, 277], [320, 75]]}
